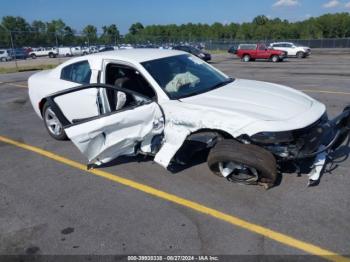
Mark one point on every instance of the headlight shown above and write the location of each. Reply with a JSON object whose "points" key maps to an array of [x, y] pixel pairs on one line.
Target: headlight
{"points": [[272, 137]]}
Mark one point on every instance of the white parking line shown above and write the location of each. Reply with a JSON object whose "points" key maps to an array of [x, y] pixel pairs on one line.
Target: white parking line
{"points": [[325, 92]]}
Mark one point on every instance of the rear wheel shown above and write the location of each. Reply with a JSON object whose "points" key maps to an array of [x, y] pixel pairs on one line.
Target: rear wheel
{"points": [[33, 56], [241, 163], [246, 58], [52, 124]]}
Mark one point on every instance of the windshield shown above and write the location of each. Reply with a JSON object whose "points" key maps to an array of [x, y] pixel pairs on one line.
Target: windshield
{"points": [[184, 75]]}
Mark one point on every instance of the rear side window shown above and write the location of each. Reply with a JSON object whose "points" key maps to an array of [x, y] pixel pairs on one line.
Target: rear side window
{"points": [[2, 52], [262, 47], [247, 47], [79, 72]]}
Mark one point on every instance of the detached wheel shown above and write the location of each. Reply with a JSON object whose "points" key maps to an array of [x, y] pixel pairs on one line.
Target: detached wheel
{"points": [[275, 59], [241, 163], [300, 55], [52, 124], [246, 58]]}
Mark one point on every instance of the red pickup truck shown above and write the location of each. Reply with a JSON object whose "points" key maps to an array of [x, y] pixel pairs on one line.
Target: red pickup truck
{"points": [[250, 52]]}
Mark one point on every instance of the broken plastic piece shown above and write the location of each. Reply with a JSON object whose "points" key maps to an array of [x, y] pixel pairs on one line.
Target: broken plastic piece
{"points": [[318, 165]]}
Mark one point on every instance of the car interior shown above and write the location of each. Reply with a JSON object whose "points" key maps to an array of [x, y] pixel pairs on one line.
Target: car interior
{"points": [[129, 79]]}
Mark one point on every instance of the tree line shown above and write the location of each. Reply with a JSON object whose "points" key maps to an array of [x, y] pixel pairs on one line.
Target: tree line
{"points": [[57, 32]]}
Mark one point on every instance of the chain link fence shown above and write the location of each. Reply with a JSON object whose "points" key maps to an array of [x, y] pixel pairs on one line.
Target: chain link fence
{"points": [[313, 43], [14, 44]]}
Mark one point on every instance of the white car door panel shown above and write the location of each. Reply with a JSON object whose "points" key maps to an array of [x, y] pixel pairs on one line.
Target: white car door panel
{"points": [[107, 136], [117, 134], [88, 107]]}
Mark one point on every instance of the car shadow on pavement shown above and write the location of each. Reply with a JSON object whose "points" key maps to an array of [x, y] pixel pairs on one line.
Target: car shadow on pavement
{"points": [[174, 167], [334, 159], [127, 159], [338, 156]]}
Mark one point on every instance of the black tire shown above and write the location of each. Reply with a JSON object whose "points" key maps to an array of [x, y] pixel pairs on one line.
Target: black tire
{"points": [[62, 135], [300, 55], [249, 155], [275, 58], [51, 55], [3, 59], [246, 58], [33, 56]]}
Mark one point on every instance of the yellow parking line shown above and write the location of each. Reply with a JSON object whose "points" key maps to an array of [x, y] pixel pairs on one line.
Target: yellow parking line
{"points": [[13, 84], [236, 221], [325, 91], [17, 85]]}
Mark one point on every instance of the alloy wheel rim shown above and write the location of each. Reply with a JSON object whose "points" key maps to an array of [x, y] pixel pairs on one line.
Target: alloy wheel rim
{"points": [[238, 172], [52, 122]]}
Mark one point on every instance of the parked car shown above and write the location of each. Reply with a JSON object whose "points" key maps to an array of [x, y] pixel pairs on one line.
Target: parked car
{"points": [[106, 48], [4, 55], [170, 104], [251, 52], [292, 49], [43, 51], [194, 51], [232, 50], [77, 50], [126, 46], [93, 49], [65, 51], [17, 53]]}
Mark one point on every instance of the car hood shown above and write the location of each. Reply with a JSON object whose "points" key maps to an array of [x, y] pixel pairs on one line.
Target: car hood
{"points": [[255, 99]]}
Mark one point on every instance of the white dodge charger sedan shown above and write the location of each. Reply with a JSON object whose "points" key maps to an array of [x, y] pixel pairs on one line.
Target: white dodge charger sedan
{"points": [[170, 105]]}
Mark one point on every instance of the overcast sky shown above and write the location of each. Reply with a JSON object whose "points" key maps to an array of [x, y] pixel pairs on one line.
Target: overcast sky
{"points": [[78, 13]]}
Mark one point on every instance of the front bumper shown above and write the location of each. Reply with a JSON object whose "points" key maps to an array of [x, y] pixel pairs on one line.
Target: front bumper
{"points": [[283, 56], [307, 52], [322, 136]]}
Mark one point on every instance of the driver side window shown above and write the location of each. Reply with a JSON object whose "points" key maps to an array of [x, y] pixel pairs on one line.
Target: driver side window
{"points": [[130, 79], [262, 47]]}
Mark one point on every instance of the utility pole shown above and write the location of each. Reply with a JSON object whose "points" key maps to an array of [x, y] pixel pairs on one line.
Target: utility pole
{"points": [[58, 50], [12, 45], [13, 50]]}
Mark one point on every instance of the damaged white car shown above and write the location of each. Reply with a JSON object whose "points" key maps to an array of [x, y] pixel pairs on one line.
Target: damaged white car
{"points": [[170, 105]]}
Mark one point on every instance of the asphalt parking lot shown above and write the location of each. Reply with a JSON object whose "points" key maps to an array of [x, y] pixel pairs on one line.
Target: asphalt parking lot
{"points": [[49, 206]]}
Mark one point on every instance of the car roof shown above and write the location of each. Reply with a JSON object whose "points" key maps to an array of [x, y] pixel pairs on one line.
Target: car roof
{"points": [[281, 43], [133, 56], [137, 55]]}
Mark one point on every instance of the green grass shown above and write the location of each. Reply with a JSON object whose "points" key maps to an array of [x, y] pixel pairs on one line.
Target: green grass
{"points": [[5, 70]]}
